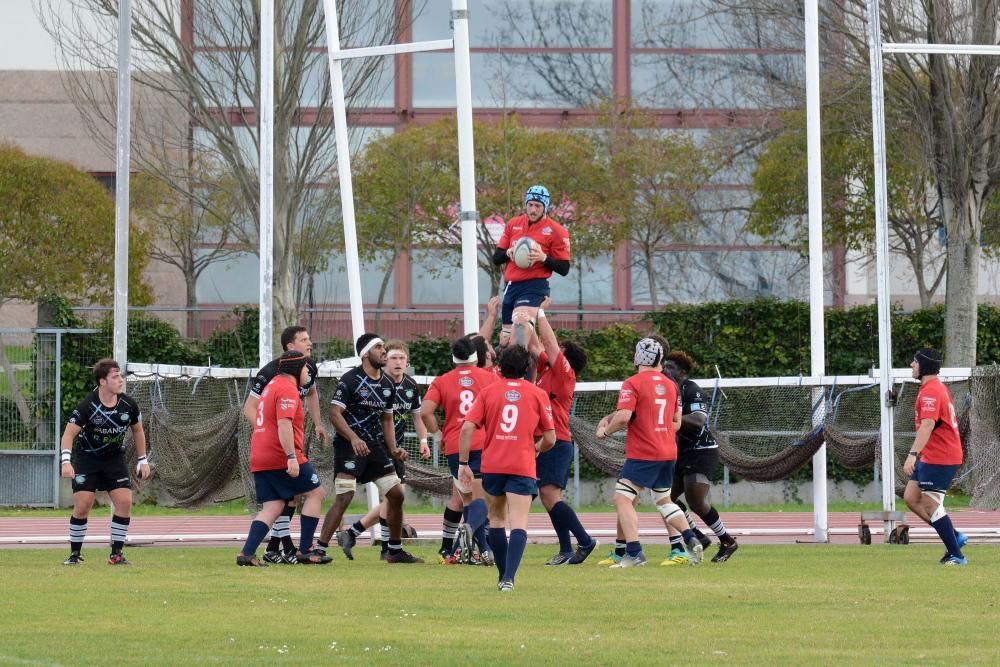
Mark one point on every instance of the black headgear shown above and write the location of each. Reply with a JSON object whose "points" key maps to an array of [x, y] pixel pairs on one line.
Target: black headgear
{"points": [[291, 362], [928, 361]]}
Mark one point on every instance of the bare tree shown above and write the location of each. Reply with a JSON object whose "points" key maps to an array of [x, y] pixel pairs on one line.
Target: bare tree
{"points": [[197, 89]]}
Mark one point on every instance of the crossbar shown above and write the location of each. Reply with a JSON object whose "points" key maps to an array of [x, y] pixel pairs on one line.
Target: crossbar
{"points": [[946, 49], [393, 49]]}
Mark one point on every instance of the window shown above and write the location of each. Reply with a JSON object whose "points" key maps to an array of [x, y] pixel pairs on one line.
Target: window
{"points": [[511, 80], [436, 278], [522, 23]]}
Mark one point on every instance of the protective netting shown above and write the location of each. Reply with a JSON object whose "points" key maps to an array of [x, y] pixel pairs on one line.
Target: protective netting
{"points": [[199, 440], [983, 459]]}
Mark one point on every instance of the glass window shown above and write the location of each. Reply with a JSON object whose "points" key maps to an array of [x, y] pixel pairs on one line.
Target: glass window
{"points": [[330, 285], [590, 282], [226, 78], [521, 23], [541, 81], [436, 277], [699, 276], [235, 280], [679, 24], [724, 81], [215, 23]]}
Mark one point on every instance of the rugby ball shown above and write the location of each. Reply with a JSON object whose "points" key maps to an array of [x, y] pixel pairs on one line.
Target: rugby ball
{"points": [[522, 247]]}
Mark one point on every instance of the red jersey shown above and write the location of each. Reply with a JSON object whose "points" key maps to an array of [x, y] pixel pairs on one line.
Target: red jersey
{"points": [[549, 234], [455, 392], [280, 400], [558, 381], [511, 412], [652, 398], [944, 447]]}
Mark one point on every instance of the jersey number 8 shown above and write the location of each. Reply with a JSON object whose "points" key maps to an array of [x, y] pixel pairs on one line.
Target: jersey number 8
{"points": [[465, 401]]}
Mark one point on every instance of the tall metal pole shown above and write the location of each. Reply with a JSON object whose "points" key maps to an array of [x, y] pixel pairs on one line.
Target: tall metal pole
{"points": [[123, 159], [466, 165], [817, 333], [265, 126], [344, 168], [881, 264]]}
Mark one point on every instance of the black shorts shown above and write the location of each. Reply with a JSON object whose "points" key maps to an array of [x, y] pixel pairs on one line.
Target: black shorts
{"points": [[94, 474], [695, 462], [375, 465]]}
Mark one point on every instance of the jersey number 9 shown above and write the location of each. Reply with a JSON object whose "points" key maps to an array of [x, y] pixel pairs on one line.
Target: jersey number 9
{"points": [[508, 418]]}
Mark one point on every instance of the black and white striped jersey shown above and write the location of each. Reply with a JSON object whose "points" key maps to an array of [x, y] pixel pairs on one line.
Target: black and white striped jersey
{"points": [[364, 401], [407, 401], [103, 429]]}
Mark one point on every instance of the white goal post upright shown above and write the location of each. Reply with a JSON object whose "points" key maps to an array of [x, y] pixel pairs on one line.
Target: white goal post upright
{"points": [[887, 407], [817, 332], [265, 127], [123, 138], [468, 216]]}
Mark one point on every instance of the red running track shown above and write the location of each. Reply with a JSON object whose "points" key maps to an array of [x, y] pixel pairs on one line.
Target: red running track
{"points": [[747, 527]]}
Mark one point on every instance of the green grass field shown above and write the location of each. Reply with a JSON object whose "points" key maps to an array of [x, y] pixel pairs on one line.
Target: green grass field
{"points": [[803, 605]]}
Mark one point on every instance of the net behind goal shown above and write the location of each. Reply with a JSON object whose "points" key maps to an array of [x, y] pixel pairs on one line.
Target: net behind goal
{"points": [[767, 429]]}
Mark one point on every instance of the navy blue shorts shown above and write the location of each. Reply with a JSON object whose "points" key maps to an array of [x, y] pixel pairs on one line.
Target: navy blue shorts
{"points": [[523, 293], [933, 477], [498, 484], [279, 485], [552, 467], [475, 458], [648, 474]]}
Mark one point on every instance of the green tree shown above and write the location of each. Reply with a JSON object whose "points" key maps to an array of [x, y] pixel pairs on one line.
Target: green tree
{"points": [[192, 228], [779, 212], [57, 236], [655, 179], [408, 189], [405, 185]]}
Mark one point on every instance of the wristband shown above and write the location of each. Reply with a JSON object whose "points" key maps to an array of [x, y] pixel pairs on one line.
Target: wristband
{"points": [[915, 454], [141, 460], [65, 456], [423, 441], [290, 456], [463, 463], [541, 313]]}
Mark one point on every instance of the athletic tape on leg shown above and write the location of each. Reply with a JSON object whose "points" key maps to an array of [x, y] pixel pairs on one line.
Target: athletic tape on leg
{"points": [[940, 511], [344, 485], [384, 484], [626, 490]]}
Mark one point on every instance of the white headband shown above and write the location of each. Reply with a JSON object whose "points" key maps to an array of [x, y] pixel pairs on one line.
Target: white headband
{"points": [[372, 343], [472, 357]]}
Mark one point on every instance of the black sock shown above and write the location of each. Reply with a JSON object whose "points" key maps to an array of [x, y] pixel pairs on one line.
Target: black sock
{"points": [[620, 547], [356, 528], [395, 545]]}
